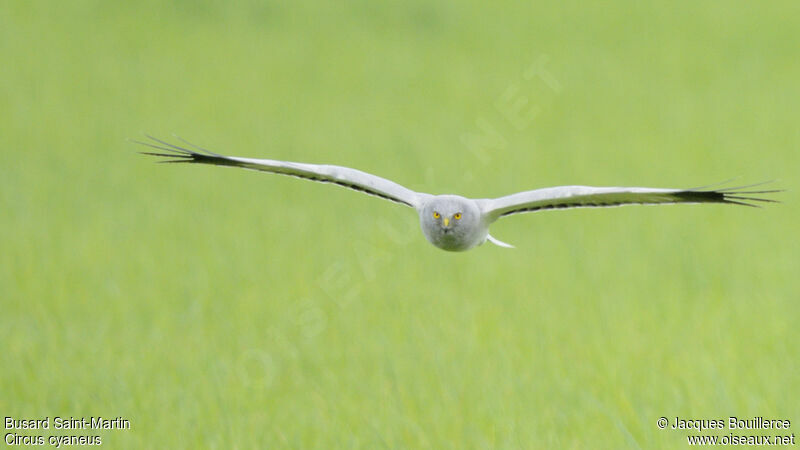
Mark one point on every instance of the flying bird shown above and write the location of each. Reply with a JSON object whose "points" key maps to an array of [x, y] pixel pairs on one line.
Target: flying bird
{"points": [[456, 223]]}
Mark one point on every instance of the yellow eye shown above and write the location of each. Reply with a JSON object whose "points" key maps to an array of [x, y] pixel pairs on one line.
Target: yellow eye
{"points": [[457, 216], [436, 215]]}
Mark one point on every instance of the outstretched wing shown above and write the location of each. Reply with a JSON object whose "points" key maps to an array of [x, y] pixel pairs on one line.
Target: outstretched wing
{"points": [[563, 197], [342, 176]]}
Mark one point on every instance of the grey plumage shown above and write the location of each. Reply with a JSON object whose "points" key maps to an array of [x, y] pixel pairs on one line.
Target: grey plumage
{"points": [[456, 223]]}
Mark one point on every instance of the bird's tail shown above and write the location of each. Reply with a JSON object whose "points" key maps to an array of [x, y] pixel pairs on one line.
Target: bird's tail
{"points": [[498, 242]]}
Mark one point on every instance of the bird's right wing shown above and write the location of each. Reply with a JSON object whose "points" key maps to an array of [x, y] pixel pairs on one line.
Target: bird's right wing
{"points": [[342, 176]]}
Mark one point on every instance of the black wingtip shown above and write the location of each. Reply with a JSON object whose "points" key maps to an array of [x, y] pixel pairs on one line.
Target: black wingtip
{"points": [[176, 153], [196, 147], [739, 195], [165, 155], [739, 188], [167, 150]]}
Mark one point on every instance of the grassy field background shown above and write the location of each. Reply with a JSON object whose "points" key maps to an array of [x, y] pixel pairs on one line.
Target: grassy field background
{"points": [[230, 309]]}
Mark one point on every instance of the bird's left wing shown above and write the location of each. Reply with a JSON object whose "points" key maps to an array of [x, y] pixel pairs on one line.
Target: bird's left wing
{"points": [[563, 197], [342, 176]]}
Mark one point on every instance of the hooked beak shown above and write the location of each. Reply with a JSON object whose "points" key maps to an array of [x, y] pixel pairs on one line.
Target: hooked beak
{"points": [[446, 221]]}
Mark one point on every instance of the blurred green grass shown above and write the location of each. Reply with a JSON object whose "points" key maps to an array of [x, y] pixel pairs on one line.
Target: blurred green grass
{"points": [[228, 309]]}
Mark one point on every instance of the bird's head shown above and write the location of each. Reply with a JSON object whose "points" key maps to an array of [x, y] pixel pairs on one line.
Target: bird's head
{"points": [[450, 221]]}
